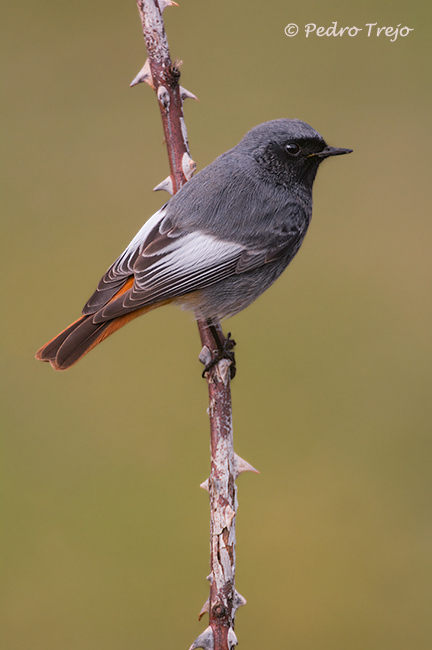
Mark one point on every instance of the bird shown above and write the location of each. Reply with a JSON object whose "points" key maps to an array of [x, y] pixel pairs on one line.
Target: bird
{"points": [[216, 245]]}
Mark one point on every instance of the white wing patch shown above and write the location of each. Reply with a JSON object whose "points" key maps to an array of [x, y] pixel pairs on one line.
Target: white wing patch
{"points": [[140, 238], [122, 269], [165, 263], [195, 253]]}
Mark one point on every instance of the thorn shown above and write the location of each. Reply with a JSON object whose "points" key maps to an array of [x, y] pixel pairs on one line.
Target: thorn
{"points": [[204, 609], [188, 166], [144, 75], [185, 94], [241, 466], [232, 639], [163, 4], [223, 370], [205, 356], [209, 578], [205, 640], [184, 133], [205, 485], [163, 97], [177, 64], [166, 185], [238, 601], [229, 516]]}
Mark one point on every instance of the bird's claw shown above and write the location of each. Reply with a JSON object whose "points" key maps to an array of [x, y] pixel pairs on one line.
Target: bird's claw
{"points": [[225, 350]]}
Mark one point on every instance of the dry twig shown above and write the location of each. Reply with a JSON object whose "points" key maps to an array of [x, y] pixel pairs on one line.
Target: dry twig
{"points": [[163, 76]]}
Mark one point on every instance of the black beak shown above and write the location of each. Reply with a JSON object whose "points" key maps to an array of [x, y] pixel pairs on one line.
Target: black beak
{"points": [[331, 151]]}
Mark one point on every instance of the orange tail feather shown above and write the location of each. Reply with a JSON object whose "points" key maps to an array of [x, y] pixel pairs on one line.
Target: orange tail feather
{"points": [[64, 350]]}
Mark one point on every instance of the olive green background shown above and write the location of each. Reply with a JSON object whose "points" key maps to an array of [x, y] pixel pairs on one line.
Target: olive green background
{"points": [[104, 528]]}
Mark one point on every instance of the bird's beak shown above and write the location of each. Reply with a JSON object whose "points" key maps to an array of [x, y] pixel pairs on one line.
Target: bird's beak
{"points": [[330, 151]]}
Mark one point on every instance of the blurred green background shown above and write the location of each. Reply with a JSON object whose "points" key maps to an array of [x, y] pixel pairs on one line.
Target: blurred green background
{"points": [[104, 529]]}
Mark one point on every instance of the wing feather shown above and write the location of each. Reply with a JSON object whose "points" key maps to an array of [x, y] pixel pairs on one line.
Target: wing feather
{"points": [[166, 262], [191, 262]]}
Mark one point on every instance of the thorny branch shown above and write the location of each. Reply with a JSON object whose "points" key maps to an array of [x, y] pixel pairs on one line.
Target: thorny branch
{"points": [[163, 76]]}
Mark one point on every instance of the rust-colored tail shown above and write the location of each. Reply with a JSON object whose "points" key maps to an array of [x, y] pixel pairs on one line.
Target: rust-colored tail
{"points": [[79, 338]]}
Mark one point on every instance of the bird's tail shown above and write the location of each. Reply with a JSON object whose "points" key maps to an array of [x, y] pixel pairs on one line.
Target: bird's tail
{"points": [[79, 338]]}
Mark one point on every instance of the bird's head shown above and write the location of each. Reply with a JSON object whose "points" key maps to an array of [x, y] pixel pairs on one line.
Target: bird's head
{"points": [[288, 152]]}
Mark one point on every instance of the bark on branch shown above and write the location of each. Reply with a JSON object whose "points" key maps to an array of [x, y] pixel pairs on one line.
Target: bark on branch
{"points": [[163, 76]]}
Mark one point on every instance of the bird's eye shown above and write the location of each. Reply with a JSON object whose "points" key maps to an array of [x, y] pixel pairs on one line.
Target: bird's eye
{"points": [[292, 148]]}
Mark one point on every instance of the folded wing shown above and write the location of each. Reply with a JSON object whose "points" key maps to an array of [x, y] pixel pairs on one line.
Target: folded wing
{"points": [[166, 262]]}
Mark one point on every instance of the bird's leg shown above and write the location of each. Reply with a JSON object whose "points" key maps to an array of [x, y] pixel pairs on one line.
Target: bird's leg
{"points": [[225, 350]]}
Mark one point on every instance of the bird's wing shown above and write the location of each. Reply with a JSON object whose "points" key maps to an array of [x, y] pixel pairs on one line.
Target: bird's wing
{"points": [[168, 266], [166, 262]]}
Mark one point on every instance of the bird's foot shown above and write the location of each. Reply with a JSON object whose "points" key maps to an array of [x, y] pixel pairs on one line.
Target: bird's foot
{"points": [[225, 350]]}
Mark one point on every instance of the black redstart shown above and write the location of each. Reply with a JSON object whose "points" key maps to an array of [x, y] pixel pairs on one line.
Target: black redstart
{"points": [[219, 243]]}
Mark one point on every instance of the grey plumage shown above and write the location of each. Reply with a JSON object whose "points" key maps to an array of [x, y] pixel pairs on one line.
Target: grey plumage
{"points": [[221, 241]]}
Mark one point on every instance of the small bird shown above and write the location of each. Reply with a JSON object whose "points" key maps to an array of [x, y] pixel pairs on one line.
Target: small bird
{"points": [[217, 244]]}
